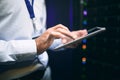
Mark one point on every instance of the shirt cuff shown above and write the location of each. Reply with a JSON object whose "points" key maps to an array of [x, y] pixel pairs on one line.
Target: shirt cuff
{"points": [[23, 50]]}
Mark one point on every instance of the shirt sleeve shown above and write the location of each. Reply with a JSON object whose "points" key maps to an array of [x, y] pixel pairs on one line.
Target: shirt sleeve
{"points": [[17, 50]]}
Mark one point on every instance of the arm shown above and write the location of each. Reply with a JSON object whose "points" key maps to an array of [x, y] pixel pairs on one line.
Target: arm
{"points": [[26, 49], [51, 34]]}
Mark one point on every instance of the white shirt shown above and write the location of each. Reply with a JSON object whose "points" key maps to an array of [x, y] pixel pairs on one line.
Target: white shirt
{"points": [[17, 31]]}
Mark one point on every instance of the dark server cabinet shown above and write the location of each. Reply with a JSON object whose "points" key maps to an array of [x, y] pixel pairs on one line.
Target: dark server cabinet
{"points": [[102, 52]]}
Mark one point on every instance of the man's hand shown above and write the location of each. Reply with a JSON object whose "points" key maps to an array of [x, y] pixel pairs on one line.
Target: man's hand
{"points": [[46, 39]]}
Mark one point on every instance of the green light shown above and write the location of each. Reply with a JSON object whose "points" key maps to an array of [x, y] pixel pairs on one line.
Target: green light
{"points": [[85, 4]]}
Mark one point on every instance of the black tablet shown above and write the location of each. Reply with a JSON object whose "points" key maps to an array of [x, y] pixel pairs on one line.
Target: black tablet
{"points": [[91, 32]]}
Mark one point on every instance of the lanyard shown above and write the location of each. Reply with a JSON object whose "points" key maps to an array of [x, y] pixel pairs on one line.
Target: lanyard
{"points": [[32, 14], [30, 8]]}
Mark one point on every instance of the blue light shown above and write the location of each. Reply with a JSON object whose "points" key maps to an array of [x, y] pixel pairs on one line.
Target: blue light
{"points": [[84, 41], [84, 62], [85, 22]]}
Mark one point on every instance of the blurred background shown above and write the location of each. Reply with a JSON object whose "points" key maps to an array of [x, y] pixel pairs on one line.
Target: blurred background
{"points": [[96, 58]]}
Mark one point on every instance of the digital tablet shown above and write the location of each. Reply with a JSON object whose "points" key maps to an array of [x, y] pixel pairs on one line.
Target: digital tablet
{"points": [[91, 32]]}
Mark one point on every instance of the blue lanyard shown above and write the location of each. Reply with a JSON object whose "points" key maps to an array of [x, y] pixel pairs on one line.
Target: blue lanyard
{"points": [[30, 8]]}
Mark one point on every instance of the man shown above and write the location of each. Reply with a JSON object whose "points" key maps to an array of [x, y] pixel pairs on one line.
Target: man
{"points": [[24, 39]]}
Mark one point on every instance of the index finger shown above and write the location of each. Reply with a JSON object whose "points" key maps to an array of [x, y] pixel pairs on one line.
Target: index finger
{"points": [[61, 26]]}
